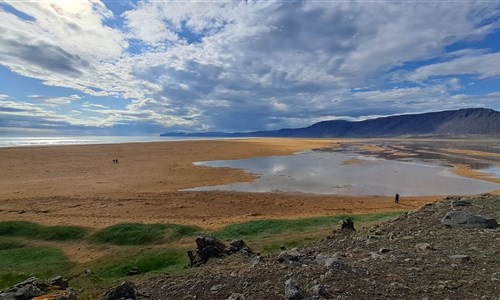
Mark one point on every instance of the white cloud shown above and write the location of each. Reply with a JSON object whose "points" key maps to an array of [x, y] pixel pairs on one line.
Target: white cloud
{"points": [[482, 66], [248, 65], [55, 101], [92, 106]]}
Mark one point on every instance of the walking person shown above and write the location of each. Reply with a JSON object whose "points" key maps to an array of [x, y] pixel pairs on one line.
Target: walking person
{"points": [[396, 198]]}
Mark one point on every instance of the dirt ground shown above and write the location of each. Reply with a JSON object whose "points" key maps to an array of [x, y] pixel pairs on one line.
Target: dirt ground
{"points": [[412, 257], [80, 185]]}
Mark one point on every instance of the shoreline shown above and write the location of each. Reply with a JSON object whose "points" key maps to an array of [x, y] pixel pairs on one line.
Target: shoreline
{"points": [[80, 185]]}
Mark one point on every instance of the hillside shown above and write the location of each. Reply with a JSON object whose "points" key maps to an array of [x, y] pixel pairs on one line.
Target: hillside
{"points": [[471, 121], [417, 256]]}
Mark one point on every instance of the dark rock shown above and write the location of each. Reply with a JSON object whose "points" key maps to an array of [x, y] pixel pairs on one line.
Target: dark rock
{"points": [[8, 296], [462, 258], [320, 291], [206, 247], [60, 282], [126, 290], [30, 280], [460, 203], [236, 296], [206, 241], [291, 255], [28, 291], [422, 247], [236, 246], [335, 262], [292, 291], [88, 272], [346, 225], [397, 286], [214, 289], [134, 271], [468, 220], [384, 250]]}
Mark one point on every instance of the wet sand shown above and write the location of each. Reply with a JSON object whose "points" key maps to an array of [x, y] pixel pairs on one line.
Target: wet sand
{"points": [[80, 185]]}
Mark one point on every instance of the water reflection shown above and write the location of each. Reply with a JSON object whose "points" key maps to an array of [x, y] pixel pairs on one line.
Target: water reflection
{"points": [[321, 172], [492, 170]]}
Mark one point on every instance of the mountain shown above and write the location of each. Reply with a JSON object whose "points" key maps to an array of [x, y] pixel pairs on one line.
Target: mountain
{"points": [[469, 121]]}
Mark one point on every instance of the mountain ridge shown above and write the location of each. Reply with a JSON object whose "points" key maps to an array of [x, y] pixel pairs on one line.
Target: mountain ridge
{"points": [[461, 122]]}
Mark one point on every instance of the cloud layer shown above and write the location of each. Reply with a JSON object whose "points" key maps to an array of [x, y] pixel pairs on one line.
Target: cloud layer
{"points": [[236, 66]]}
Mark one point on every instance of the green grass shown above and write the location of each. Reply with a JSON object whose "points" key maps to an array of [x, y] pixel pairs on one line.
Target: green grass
{"points": [[141, 234], [41, 232], [260, 228], [19, 263], [6, 244], [158, 260]]}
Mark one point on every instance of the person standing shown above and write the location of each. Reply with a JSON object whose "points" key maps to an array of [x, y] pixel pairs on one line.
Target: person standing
{"points": [[396, 198]]}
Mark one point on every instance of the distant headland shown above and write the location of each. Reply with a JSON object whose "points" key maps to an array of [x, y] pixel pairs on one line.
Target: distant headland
{"points": [[461, 122]]}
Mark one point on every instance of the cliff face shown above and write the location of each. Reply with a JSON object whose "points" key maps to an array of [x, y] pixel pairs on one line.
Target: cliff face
{"points": [[471, 121]]}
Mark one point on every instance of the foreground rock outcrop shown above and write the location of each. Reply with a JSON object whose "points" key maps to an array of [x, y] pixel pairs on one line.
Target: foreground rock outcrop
{"points": [[208, 247], [56, 288], [415, 256]]}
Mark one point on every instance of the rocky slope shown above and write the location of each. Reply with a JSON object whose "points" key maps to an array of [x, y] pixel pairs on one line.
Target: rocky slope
{"points": [[420, 255]]}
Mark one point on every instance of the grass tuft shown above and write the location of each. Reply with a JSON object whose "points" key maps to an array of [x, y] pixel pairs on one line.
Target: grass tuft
{"points": [[273, 227], [36, 231], [141, 234], [17, 264], [147, 261], [10, 244]]}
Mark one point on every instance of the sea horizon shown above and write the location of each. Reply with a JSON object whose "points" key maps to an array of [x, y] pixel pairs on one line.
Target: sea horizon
{"points": [[33, 141]]}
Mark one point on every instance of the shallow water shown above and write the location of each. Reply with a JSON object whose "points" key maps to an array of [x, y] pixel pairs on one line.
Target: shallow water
{"points": [[8, 141], [320, 172], [492, 170]]}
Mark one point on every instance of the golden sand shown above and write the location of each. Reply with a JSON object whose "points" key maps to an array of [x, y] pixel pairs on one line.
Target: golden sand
{"points": [[80, 185]]}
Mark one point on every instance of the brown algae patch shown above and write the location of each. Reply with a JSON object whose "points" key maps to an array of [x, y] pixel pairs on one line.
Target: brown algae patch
{"points": [[473, 152], [355, 161], [466, 171]]}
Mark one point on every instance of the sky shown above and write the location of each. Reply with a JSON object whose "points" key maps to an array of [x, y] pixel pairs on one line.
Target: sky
{"points": [[91, 67]]}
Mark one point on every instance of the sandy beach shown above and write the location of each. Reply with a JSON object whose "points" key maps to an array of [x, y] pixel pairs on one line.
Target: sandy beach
{"points": [[80, 185]]}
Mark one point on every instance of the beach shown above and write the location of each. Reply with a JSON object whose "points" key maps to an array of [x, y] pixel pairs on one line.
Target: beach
{"points": [[80, 185]]}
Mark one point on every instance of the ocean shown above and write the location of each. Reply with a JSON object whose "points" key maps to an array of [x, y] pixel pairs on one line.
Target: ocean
{"points": [[82, 140]]}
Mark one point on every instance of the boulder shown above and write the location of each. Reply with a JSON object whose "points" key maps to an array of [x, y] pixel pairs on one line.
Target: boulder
{"points": [[27, 292], [206, 241], [126, 290], [346, 225], [290, 255], [423, 247], [320, 291], [468, 220], [335, 262], [460, 203], [207, 247], [462, 258], [236, 296], [134, 271], [236, 246], [30, 280], [292, 291], [8, 296], [59, 282]]}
